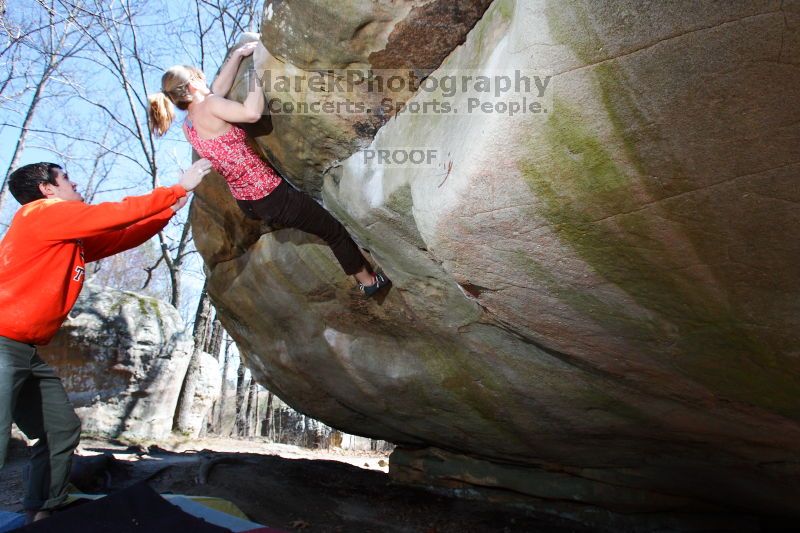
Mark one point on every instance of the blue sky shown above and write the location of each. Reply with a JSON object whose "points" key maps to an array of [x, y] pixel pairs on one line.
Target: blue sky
{"points": [[166, 50], [83, 119]]}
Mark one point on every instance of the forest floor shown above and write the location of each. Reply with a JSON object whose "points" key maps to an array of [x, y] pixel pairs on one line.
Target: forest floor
{"points": [[285, 487]]}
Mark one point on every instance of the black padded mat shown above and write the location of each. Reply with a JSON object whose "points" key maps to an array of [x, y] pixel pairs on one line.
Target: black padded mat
{"points": [[137, 509]]}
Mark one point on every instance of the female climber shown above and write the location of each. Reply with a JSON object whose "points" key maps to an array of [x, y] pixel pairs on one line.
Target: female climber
{"points": [[258, 189]]}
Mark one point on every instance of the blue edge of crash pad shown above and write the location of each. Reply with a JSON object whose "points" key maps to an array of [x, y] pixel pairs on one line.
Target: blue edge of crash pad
{"points": [[11, 521]]}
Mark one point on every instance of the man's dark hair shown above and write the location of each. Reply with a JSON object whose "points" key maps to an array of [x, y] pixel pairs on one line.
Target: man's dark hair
{"points": [[24, 182]]}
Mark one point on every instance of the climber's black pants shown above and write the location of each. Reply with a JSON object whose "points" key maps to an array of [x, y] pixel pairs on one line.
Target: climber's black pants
{"points": [[290, 208]]}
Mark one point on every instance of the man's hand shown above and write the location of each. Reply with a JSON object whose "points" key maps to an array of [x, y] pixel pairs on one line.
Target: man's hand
{"points": [[182, 201], [192, 177]]}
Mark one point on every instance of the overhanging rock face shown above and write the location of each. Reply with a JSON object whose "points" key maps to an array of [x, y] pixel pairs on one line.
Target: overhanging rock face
{"points": [[604, 296]]}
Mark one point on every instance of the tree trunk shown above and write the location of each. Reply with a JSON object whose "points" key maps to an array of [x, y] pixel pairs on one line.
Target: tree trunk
{"points": [[252, 397], [241, 399], [266, 426], [175, 283], [223, 393], [215, 339], [182, 419]]}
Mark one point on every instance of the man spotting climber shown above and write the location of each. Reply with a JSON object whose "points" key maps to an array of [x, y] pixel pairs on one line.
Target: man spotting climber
{"points": [[42, 265]]}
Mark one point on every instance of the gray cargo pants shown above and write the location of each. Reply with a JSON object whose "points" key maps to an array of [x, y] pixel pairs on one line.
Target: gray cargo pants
{"points": [[31, 395]]}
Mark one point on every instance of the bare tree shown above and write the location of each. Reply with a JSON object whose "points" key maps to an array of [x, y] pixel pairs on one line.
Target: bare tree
{"points": [[221, 404], [215, 338], [214, 343], [12, 59], [200, 334], [126, 55], [251, 413], [117, 46], [59, 39], [241, 400], [266, 426], [218, 25]]}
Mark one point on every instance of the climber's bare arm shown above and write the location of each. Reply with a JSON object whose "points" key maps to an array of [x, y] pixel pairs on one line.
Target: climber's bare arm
{"points": [[227, 74], [232, 111]]}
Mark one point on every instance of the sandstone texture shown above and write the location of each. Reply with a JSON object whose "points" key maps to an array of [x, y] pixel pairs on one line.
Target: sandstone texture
{"points": [[122, 358], [602, 298]]}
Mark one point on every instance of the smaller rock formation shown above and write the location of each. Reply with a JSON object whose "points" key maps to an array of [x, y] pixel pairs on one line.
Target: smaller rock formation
{"points": [[122, 357]]}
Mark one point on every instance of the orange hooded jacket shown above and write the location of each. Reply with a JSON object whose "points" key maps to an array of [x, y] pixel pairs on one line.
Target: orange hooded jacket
{"points": [[43, 255]]}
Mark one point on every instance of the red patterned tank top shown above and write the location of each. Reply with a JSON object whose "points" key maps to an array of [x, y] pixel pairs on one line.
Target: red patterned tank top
{"points": [[248, 175]]}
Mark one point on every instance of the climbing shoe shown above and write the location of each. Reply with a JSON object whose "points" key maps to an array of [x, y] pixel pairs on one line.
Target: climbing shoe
{"points": [[380, 281]]}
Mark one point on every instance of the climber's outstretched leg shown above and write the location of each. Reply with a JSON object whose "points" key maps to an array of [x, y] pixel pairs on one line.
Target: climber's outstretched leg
{"points": [[292, 208]]}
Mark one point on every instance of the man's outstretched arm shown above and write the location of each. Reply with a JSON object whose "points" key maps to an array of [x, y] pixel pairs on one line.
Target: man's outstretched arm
{"points": [[76, 220], [108, 244]]}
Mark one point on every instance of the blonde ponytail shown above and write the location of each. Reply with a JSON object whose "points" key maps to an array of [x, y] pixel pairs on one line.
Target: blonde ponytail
{"points": [[174, 91], [160, 113]]}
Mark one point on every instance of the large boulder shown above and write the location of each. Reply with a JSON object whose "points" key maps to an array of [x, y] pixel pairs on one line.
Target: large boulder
{"points": [[383, 39], [122, 358], [600, 299]]}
